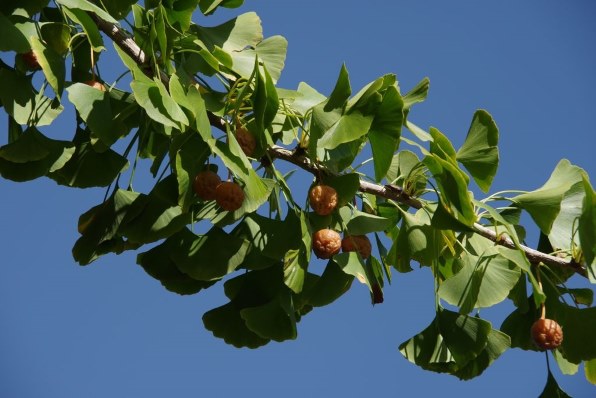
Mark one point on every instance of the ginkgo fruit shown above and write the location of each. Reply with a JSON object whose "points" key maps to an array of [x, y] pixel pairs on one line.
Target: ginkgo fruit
{"points": [[246, 140], [326, 243], [205, 183], [547, 334], [30, 60], [229, 196], [95, 84], [357, 243], [323, 199]]}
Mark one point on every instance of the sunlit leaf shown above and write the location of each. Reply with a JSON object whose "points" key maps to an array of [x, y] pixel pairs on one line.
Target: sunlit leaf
{"points": [[51, 63], [23, 103], [544, 203], [479, 153], [271, 52], [482, 281], [587, 228], [417, 94], [385, 131], [87, 6]]}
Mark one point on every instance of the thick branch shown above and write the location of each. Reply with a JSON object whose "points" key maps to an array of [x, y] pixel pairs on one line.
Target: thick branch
{"points": [[393, 192]]}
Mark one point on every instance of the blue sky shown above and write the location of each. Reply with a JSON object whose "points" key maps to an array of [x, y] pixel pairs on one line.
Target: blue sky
{"points": [[109, 330]]}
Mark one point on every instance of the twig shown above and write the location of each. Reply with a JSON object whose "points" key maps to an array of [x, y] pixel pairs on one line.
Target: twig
{"points": [[132, 49]]}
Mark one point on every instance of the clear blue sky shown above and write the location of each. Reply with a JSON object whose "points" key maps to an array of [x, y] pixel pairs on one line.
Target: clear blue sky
{"points": [[109, 330]]}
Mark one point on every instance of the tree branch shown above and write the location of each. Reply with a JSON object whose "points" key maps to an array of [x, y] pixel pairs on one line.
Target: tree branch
{"points": [[393, 192]]}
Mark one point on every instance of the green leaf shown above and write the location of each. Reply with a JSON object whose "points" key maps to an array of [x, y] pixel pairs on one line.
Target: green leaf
{"points": [[179, 13], [225, 322], [265, 100], [271, 52], [465, 336], [95, 109], [482, 281], [590, 370], [348, 128], [33, 155], [497, 343], [309, 97], [362, 223], [340, 158], [23, 103], [51, 63], [190, 153], [341, 92], [552, 389], [442, 147], [332, 284], [233, 35], [272, 238], [417, 94], [56, 35], [89, 27], [273, 320], [415, 241], [346, 186], [455, 200], [32, 6], [119, 9], [587, 228], [158, 264], [87, 6], [88, 167], [210, 256], [544, 203], [99, 227], [209, 6], [370, 96], [479, 153], [461, 345], [385, 131], [351, 263], [154, 98], [567, 368], [12, 38], [270, 306], [407, 171]]}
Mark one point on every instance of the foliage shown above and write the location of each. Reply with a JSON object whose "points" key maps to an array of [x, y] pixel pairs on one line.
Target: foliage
{"points": [[185, 92]]}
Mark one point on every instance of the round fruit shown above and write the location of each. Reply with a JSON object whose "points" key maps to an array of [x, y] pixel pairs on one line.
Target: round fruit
{"points": [[326, 243], [96, 84], [246, 140], [205, 183], [31, 61], [229, 196], [547, 334], [323, 199], [357, 243]]}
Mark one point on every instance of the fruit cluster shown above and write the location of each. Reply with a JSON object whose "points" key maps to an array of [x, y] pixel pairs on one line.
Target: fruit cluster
{"points": [[227, 194], [326, 243]]}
